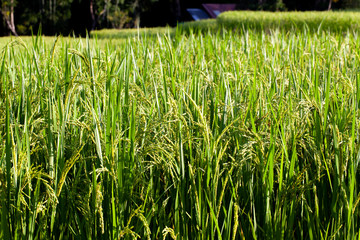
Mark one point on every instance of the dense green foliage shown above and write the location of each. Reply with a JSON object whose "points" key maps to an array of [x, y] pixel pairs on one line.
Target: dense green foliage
{"points": [[68, 16], [313, 21], [78, 16], [209, 136]]}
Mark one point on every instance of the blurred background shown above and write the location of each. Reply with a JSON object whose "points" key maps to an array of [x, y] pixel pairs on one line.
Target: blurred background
{"points": [[22, 17]]}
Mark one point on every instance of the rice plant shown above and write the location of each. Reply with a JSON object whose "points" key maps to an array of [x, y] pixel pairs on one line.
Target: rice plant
{"points": [[221, 135]]}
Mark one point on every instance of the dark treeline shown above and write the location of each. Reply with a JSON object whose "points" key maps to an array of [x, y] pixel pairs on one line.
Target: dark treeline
{"points": [[22, 17]]}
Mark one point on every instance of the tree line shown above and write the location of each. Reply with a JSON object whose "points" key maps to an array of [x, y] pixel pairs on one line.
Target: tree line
{"points": [[22, 17]]}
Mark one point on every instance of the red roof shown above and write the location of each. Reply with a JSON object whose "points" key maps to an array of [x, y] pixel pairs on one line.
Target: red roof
{"points": [[215, 9]]}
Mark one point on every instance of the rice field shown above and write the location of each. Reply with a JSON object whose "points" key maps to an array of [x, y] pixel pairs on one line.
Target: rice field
{"points": [[311, 21], [221, 135]]}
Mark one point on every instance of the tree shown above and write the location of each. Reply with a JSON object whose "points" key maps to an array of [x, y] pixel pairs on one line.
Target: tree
{"points": [[138, 7], [92, 14], [177, 9], [7, 12], [330, 3]]}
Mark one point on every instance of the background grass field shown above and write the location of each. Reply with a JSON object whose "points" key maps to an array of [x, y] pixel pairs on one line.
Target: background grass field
{"points": [[311, 22], [221, 134]]}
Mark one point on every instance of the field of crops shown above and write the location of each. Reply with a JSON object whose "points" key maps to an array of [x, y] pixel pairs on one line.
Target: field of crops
{"points": [[292, 21], [226, 135]]}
